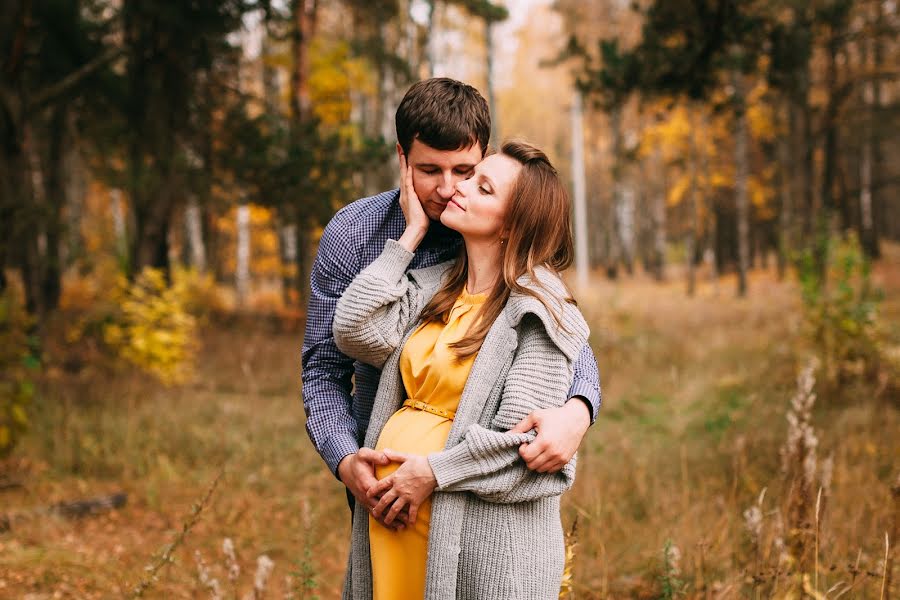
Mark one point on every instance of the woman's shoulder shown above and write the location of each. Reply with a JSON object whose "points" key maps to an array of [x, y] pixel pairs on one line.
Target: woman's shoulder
{"points": [[549, 304]]}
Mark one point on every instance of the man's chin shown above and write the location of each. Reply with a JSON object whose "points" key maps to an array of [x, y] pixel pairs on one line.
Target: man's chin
{"points": [[434, 210]]}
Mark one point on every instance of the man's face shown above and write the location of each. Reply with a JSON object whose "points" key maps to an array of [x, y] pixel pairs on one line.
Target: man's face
{"points": [[436, 173]]}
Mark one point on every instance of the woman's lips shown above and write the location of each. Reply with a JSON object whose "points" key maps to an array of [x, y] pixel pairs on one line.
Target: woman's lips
{"points": [[456, 204]]}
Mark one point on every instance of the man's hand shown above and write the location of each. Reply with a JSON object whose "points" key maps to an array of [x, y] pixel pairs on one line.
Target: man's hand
{"points": [[357, 472], [406, 488], [559, 433]]}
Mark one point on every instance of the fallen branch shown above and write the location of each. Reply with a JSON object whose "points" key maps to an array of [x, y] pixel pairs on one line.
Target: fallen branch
{"points": [[71, 510]]}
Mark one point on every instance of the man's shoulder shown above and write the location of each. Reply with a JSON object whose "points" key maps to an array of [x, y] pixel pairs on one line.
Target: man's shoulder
{"points": [[364, 214]]}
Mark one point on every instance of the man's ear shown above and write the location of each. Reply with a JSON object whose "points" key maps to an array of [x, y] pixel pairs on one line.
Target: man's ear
{"points": [[399, 151]]}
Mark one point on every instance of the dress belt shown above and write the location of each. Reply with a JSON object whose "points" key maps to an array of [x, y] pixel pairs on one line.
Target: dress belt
{"points": [[429, 408]]}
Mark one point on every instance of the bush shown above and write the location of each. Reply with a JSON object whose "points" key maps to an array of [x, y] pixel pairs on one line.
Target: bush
{"points": [[18, 362], [152, 328], [841, 310]]}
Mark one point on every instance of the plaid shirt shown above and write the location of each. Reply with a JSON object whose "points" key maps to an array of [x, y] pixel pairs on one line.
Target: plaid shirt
{"points": [[336, 420]]}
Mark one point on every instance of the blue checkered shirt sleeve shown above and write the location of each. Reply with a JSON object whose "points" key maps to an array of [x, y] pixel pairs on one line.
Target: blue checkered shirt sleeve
{"points": [[327, 372], [586, 382]]}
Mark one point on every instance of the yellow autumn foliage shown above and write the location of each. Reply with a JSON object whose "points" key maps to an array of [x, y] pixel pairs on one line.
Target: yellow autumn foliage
{"points": [[333, 73], [762, 194], [265, 260], [153, 329], [16, 362]]}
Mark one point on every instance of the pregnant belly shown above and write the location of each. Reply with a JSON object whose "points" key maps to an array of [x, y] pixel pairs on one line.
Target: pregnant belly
{"points": [[413, 432]]}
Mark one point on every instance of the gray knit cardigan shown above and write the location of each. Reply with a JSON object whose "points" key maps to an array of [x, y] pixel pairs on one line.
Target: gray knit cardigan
{"points": [[495, 525]]}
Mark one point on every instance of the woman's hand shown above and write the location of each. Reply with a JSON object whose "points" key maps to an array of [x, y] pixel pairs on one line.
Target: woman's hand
{"points": [[407, 487], [417, 221]]}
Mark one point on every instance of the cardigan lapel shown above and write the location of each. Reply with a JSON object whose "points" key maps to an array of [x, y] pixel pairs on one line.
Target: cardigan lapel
{"points": [[447, 512]]}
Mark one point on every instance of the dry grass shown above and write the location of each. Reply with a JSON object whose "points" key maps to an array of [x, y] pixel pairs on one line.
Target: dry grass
{"points": [[695, 396]]}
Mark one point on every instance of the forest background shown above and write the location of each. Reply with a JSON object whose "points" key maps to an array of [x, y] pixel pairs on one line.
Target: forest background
{"points": [[166, 169]]}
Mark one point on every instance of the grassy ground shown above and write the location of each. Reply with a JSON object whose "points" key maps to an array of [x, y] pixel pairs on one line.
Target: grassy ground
{"points": [[695, 395]]}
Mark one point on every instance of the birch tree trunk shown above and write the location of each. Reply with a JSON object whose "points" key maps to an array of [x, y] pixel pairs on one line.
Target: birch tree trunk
{"points": [[120, 230], [193, 224], [625, 211], [578, 186], [489, 72], [242, 268], [288, 240], [430, 41]]}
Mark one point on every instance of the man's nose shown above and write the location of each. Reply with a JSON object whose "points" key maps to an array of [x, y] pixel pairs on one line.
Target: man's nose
{"points": [[446, 188]]}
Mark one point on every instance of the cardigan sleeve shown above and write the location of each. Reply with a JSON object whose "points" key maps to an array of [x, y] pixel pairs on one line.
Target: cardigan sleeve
{"points": [[375, 309], [486, 462]]}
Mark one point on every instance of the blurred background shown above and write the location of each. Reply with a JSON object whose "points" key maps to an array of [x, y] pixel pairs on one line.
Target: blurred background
{"points": [[166, 169]]}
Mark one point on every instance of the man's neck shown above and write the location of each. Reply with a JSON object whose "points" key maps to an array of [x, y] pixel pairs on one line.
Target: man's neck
{"points": [[440, 233]]}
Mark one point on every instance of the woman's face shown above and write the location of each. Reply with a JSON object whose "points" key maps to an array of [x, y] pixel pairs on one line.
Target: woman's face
{"points": [[478, 208]]}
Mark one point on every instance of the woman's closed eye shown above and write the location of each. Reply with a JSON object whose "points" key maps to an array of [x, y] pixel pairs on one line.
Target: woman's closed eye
{"points": [[485, 191]]}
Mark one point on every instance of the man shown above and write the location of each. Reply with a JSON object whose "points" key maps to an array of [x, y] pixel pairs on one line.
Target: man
{"points": [[443, 128]]}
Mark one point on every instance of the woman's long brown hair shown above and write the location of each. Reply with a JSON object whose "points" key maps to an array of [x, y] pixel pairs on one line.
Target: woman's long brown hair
{"points": [[539, 233]]}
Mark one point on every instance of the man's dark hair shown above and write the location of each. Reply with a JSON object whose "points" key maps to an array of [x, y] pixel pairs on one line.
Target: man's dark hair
{"points": [[445, 114]]}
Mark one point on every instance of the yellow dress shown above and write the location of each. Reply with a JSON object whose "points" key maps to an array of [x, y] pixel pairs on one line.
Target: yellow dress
{"points": [[431, 374]]}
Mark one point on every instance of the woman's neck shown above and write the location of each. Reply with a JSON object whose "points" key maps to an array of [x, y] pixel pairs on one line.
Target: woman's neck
{"points": [[484, 265]]}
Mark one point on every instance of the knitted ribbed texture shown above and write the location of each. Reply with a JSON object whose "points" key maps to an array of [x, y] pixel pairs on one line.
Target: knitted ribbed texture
{"points": [[495, 528]]}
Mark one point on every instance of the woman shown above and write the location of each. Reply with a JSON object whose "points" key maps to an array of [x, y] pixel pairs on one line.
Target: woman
{"points": [[467, 350]]}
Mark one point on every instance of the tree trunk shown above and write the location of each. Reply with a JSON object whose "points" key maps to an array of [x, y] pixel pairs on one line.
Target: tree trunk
{"points": [[304, 12], [868, 234], [489, 72], [625, 225], [120, 229], [874, 244], [242, 265], [288, 239], [193, 225], [829, 161], [150, 244], [613, 247], [32, 227], [54, 201], [659, 220], [578, 186], [742, 168], [709, 254], [430, 41], [693, 211], [75, 186], [785, 189], [866, 223]]}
